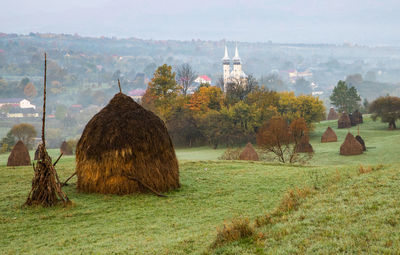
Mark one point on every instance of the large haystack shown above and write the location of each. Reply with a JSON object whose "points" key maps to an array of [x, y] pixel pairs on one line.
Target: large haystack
{"points": [[65, 148], [351, 146], [344, 121], [332, 115], [304, 145], [249, 153], [125, 149], [329, 136], [361, 141], [19, 155]]}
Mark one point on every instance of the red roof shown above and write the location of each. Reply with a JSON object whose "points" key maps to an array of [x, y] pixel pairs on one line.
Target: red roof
{"points": [[204, 77]]}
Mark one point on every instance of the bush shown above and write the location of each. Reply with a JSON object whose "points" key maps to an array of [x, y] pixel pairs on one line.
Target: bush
{"points": [[239, 228], [230, 154]]}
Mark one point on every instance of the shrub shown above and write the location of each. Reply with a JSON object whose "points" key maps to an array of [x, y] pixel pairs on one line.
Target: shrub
{"points": [[239, 228], [230, 154]]}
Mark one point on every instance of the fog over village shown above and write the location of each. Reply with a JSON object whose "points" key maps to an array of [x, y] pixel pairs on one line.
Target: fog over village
{"points": [[199, 127]]}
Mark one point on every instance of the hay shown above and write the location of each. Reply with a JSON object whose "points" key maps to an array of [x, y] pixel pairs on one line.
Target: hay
{"points": [[361, 141], [351, 146], [304, 145], [19, 155], [249, 153], [121, 144], [344, 121], [65, 148], [329, 136], [332, 115]]}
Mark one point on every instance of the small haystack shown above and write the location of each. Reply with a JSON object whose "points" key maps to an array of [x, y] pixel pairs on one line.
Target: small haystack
{"points": [[304, 145], [332, 115], [19, 155], [126, 149], [351, 146], [329, 136], [249, 153], [361, 141], [344, 121], [65, 149]]}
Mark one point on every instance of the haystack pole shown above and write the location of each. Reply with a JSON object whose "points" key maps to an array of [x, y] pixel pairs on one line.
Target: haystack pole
{"points": [[46, 188]]}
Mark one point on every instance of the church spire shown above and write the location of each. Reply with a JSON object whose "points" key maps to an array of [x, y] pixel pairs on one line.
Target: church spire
{"points": [[236, 58], [226, 58]]}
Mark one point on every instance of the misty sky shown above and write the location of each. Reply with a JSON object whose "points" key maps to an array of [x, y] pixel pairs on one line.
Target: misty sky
{"points": [[372, 22]]}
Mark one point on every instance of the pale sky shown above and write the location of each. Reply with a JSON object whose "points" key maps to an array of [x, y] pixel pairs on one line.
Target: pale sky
{"points": [[371, 22]]}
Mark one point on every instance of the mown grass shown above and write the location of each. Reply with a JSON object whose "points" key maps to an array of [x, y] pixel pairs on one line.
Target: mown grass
{"points": [[185, 222], [357, 215], [362, 206]]}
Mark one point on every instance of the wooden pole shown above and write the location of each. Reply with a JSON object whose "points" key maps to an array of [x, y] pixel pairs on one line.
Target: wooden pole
{"points": [[119, 85], [44, 100]]}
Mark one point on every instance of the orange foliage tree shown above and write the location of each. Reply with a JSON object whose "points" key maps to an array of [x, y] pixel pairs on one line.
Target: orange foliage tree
{"points": [[278, 137]]}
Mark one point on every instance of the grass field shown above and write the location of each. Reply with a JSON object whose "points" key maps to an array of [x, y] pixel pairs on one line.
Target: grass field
{"points": [[355, 214]]}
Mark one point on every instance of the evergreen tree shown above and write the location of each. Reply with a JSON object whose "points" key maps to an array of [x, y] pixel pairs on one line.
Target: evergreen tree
{"points": [[345, 98]]}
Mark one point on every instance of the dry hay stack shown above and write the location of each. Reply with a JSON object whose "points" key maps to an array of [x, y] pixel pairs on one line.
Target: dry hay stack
{"points": [[361, 141], [351, 146], [344, 121], [304, 145], [65, 148], [19, 155], [332, 115], [249, 153], [125, 149], [329, 136]]}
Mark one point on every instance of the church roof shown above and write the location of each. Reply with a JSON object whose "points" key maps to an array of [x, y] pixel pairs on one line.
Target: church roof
{"points": [[236, 57], [226, 57]]}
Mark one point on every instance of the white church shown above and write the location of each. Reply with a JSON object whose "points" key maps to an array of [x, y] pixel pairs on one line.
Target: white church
{"points": [[236, 75]]}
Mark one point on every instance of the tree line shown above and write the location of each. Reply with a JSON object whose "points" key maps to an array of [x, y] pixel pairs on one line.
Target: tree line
{"points": [[210, 116]]}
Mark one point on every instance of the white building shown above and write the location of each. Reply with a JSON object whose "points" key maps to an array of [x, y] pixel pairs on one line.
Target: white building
{"points": [[236, 75], [17, 102]]}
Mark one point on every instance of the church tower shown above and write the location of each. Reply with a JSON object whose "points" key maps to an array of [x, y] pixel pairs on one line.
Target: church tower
{"points": [[226, 65], [237, 65]]}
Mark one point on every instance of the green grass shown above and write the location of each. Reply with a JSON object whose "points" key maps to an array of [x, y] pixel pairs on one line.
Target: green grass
{"points": [[358, 214]]}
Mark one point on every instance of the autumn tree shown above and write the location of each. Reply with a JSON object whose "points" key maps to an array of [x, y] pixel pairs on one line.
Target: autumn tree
{"points": [[24, 132], [185, 76], [305, 106], [162, 89], [278, 137], [345, 98], [387, 109], [206, 98]]}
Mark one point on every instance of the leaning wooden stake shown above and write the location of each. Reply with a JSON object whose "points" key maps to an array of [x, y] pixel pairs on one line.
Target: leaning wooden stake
{"points": [[119, 86], [46, 188]]}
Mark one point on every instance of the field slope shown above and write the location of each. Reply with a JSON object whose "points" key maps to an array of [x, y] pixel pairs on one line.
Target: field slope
{"points": [[358, 213]]}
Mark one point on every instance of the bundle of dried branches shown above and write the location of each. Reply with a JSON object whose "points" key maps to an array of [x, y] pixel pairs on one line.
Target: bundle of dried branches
{"points": [[46, 187]]}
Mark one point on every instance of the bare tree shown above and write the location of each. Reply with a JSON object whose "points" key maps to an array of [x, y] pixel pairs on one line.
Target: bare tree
{"points": [[185, 77]]}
